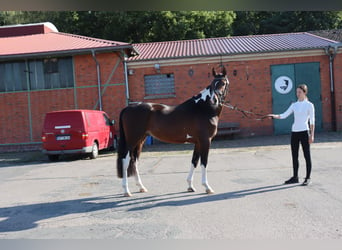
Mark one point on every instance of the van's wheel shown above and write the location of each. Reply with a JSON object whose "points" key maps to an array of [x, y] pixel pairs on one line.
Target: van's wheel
{"points": [[95, 151], [53, 157]]}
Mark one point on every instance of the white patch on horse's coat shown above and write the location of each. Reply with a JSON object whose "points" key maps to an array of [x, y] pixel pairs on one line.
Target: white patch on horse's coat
{"points": [[188, 136], [204, 93], [125, 161], [138, 180], [190, 179], [205, 183], [125, 164]]}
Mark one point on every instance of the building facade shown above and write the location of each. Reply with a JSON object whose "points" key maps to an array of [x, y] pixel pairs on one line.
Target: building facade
{"points": [[43, 70], [256, 66]]}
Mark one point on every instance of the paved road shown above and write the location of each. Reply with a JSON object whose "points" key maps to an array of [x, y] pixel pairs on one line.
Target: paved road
{"points": [[82, 199]]}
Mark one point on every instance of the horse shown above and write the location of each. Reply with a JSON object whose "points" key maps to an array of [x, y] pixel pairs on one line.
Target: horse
{"points": [[193, 121]]}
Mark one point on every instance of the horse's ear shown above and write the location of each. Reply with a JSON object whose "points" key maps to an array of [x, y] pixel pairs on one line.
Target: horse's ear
{"points": [[224, 72], [214, 72]]}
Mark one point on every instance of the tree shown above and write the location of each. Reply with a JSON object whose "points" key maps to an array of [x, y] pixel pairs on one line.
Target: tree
{"points": [[248, 23], [133, 26], [152, 26]]}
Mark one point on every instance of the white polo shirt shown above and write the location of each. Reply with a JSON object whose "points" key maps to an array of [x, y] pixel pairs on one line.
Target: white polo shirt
{"points": [[304, 111]]}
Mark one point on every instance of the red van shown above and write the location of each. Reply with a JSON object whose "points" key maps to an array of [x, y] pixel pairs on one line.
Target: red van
{"points": [[77, 131]]}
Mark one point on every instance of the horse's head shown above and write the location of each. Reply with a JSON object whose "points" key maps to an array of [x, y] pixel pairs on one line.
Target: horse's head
{"points": [[219, 86], [216, 92]]}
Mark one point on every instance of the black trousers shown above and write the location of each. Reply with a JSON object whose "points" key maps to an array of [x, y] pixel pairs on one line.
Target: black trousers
{"points": [[303, 138]]}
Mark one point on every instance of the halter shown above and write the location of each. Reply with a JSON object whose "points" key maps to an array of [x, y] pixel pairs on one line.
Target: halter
{"points": [[221, 95]]}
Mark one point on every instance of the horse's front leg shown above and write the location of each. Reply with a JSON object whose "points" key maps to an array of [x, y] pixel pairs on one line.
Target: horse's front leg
{"points": [[204, 152], [194, 162]]}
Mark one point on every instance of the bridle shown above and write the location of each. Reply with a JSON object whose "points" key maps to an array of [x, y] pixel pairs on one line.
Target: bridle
{"points": [[221, 95]]}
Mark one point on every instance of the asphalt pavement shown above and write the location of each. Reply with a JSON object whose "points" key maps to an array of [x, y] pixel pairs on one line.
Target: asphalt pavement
{"points": [[78, 198]]}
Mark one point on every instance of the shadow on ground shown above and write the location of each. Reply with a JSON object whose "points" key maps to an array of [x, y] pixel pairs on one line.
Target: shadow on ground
{"points": [[24, 217]]}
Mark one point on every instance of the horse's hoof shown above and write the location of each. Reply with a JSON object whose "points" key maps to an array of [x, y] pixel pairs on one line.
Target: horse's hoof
{"points": [[143, 190], [127, 194], [209, 191], [190, 189]]}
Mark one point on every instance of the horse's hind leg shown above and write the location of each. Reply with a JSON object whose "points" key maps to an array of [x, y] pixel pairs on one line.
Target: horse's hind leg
{"points": [[194, 162], [137, 176], [125, 164], [204, 151]]}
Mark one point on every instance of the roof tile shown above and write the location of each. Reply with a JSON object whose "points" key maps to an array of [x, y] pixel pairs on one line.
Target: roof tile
{"points": [[52, 42], [229, 45]]}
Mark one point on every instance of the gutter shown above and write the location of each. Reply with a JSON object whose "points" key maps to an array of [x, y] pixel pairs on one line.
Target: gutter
{"points": [[331, 52], [98, 79], [126, 78], [66, 52]]}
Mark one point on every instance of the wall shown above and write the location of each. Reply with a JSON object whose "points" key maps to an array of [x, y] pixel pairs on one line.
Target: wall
{"points": [[338, 88], [22, 113], [250, 89]]}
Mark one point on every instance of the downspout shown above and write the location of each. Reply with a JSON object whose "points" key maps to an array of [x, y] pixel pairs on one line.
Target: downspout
{"points": [[98, 79], [331, 52], [126, 78]]}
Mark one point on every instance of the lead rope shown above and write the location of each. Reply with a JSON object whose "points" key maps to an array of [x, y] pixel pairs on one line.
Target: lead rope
{"points": [[245, 112]]}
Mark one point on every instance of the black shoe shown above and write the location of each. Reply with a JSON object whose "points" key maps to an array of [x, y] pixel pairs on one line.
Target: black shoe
{"points": [[292, 180], [307, 181]]}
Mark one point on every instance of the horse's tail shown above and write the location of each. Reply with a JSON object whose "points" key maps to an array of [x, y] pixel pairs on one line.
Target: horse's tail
{"points": [[123, 152]]}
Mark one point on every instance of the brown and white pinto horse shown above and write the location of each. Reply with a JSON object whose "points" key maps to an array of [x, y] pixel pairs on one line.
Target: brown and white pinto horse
{"points": [[194, 121]]}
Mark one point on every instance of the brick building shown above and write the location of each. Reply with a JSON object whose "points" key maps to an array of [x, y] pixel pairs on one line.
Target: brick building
{"points": [[43, 70], [171, 72]]}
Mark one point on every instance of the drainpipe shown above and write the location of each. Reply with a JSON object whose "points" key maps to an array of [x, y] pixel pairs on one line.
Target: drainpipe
{"points": [[126, 78], [98, 79], [331, 52]]}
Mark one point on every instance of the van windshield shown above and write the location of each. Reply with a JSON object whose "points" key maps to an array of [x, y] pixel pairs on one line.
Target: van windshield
{"points": [[64, 120]]}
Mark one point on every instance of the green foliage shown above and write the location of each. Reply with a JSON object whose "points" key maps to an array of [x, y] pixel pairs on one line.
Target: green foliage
{"points": [[151, 26], [248, 23]]}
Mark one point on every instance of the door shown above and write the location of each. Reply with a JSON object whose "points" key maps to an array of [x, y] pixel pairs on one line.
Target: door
{"points": [[285, 79], [309, 73], [283, 94]]}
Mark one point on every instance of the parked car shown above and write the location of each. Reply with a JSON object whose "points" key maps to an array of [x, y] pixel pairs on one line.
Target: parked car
{"points": [[77, 132]]}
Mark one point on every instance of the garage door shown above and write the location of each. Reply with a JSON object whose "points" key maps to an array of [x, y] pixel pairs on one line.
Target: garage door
{"points": [[285, 79]]}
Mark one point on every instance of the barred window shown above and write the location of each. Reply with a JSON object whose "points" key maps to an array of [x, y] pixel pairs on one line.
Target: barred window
{"points": [[159, 86]]}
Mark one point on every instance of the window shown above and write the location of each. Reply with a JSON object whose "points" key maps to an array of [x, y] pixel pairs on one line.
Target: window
{"points": [[13, 76], [36, 74], [50, 66], [157, 86], [107, 121], [51, 73]]}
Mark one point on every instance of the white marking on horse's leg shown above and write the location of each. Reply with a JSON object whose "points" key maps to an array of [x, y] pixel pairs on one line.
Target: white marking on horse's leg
{"points": [[125, 164], [190, 179], [138, 179], [208, 189]]}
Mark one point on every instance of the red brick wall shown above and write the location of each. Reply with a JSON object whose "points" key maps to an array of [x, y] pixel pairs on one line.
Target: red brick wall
{"points": [[338, 89], [14, 112], [250, 89], [112, 84], [14, 119]]}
